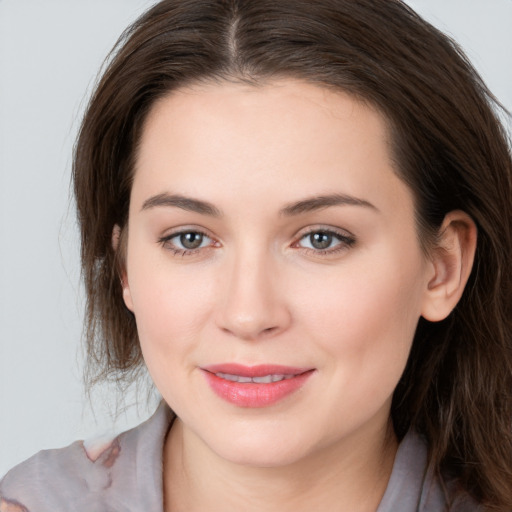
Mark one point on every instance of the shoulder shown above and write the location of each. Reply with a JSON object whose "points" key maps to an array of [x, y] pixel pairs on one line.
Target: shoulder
{"points": [[414, 488], [56, 475], [91, 476]]}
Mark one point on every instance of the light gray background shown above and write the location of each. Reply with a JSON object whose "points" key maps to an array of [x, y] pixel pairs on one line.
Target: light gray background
{"points": [[50, 52]]}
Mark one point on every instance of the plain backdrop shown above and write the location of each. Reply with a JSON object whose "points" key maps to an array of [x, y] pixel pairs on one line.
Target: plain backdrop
{"points": [[50, 53]]}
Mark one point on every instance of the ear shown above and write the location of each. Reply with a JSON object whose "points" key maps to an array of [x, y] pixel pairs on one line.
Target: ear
{"points": [[452, 261], [119, 245]]}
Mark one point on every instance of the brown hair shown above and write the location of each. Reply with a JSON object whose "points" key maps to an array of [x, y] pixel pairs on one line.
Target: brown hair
{"points": [[448, 145]]}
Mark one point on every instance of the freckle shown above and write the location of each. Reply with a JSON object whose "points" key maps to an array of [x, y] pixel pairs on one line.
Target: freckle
{"points": [[11, 506]]}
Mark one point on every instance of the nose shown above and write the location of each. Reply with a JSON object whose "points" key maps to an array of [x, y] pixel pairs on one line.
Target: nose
{"points": [[253, 304]]}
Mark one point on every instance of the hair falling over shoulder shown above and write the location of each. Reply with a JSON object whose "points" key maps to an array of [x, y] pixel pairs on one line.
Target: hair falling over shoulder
{"points": [[448, 146]]}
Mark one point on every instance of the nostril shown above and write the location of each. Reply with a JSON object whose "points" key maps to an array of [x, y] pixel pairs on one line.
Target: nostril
{"points": [[250, 333]]}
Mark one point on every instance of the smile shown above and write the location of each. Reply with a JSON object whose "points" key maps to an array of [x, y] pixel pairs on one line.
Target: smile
{"points": [[256, 386], [266, 379]]}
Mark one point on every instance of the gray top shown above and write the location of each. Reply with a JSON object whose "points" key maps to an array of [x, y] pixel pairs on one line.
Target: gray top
{"points": [[125, 475]]}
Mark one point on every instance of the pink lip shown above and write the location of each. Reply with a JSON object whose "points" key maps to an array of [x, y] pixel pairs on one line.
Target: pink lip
{"points": [[254, 394]]}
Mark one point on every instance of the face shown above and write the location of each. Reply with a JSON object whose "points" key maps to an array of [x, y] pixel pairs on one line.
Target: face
{"points": [[273, 267]]}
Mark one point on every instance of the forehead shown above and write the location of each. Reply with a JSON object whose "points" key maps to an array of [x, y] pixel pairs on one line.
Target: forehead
{"points": [[282, 138]]}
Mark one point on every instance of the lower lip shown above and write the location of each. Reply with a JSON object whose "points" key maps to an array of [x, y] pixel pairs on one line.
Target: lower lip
{"points": [[252, 394]]}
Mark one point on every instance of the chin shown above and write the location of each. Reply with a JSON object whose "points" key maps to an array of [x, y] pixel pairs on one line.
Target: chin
{"points": [[261, 457], [267, 448]]}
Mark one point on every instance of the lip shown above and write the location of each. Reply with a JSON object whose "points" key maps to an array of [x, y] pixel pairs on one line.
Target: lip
{"points": [[254, 394]]}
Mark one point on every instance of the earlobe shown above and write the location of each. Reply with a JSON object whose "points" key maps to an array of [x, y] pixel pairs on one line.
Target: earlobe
{"points": [[452, 261], [127, 296], [119, 245]]}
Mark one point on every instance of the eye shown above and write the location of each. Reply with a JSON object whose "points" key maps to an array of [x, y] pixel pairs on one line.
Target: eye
{"points": [[190, 240], [325, 241], [185, 242]]}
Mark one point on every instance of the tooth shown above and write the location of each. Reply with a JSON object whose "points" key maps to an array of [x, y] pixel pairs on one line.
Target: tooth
{"points": [[227, 376], [267, 379]]}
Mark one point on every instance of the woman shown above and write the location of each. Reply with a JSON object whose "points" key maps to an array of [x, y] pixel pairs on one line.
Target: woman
{"points": [[297, 214]]}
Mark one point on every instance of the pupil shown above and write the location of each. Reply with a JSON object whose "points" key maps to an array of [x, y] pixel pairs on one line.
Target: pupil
{"points": [[321, 240], [191, 240]]}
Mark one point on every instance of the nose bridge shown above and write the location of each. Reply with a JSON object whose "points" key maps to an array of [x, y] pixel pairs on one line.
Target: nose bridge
{"points": [[253, 305]]}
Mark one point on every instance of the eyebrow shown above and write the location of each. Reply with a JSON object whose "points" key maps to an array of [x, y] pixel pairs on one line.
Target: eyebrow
{"points": [[303, 206], [185, 203], [320, 202]]}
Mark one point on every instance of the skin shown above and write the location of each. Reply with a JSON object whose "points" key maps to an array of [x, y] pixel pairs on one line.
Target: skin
{"points": [[257, 291]]}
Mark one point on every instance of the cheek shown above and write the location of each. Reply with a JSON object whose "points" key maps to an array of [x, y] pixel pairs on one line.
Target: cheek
{"points": [[171, 305], [366, 319], [170, 315]]}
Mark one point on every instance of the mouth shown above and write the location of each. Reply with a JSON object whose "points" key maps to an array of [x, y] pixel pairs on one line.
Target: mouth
{"points": [[265, 379], [255, 386]]}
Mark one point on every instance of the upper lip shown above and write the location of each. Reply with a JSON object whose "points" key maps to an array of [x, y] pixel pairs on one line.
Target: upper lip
{"points": [[259, 370]]}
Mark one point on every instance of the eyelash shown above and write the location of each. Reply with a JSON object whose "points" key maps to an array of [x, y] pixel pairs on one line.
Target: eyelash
{"points": [[345, 242], [165, 241]]}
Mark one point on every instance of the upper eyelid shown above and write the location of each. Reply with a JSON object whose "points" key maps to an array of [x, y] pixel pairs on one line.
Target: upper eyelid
{"points": [[343, 233], [179, 233], [187, 229]]}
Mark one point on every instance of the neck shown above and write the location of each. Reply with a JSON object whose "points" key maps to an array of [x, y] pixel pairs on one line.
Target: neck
{"points": [[350, 475]]}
